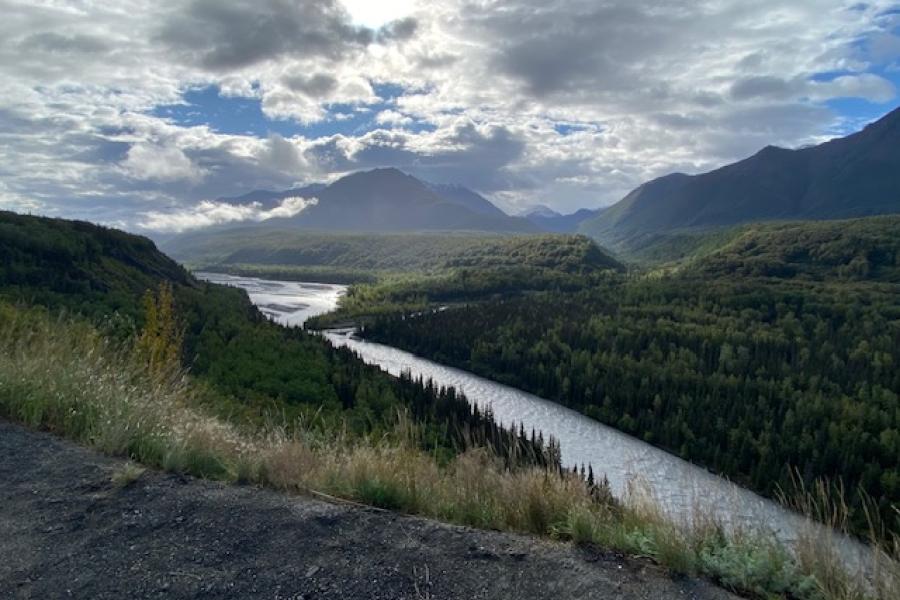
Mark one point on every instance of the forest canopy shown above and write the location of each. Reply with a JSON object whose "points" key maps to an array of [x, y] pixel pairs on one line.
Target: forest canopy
{"points": [[776, 352]]}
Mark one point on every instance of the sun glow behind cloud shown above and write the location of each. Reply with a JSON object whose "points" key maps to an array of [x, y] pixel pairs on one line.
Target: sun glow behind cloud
{"points": [[375, 13]]}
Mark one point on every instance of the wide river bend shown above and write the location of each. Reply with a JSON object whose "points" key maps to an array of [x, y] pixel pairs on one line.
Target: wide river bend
{"points": [[683, 490]]}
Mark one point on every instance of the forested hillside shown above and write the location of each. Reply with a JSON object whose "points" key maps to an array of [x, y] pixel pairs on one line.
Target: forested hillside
{"points": [[857, 249], [286, 249], [791, 365], [471, 270], [254, 369]]}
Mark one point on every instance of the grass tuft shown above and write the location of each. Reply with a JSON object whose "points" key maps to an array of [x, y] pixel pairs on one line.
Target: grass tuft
{"points": [[127, 474]]}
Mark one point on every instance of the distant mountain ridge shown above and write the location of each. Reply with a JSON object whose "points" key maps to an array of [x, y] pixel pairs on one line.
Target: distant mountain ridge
{"points": [[388, 200], [541, 210], [551, 221], [854, 176]]}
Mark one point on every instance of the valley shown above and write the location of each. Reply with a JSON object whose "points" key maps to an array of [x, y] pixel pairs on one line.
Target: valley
{"points": [[267, 383], [634, 468], [427, 300]]}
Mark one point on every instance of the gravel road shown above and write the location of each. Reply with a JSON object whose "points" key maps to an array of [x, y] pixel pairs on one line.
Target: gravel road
{"points": [[67, 531]]}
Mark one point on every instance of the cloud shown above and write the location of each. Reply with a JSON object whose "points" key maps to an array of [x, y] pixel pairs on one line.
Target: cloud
{"points": [[763, 86], [317, 85], [56, 43], [459, 152], [865, 85], [567, 103], [401, 29], [224, 36], [208, 213], [10, 200], [392, 117], [160, 163]]}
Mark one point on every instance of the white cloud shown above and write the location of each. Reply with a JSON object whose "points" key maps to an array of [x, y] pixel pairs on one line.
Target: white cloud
{"points": [[865, 85], [160, 163], [208, 213], [392, 117]]}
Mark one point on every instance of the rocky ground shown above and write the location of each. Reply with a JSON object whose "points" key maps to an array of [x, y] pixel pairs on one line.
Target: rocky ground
{"points": [[70, 528]]}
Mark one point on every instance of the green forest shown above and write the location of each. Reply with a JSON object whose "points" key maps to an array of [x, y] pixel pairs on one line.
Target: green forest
{"points": [[778, 352], [254, 370], [291, 252]]}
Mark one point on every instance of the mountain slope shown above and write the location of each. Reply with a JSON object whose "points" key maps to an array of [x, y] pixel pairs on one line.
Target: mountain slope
{"points": [[84, 267], [463, 196], [855, 176], [389, 200], [558, 223]]}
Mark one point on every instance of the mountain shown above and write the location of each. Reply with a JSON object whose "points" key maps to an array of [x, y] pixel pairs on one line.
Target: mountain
{"points": [[388, 200], [269, 199], [463, 196], [554, 222], [854, 176], [449, 192], [541, 210]]}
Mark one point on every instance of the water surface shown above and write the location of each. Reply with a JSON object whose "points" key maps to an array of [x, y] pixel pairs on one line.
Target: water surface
{"points": [[286, 302]]}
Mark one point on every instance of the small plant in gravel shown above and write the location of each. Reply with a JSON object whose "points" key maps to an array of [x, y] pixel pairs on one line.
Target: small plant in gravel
{"points": [[127, 474]]}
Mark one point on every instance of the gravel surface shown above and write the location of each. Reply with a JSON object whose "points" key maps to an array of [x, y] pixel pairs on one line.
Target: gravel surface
{"points": [[68, 531]]}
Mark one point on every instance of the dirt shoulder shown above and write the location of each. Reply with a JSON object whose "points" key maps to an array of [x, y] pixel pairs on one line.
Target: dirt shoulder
{"points": [[67, 531]]}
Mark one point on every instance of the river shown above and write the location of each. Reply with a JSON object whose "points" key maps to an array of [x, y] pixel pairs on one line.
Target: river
{"points": [[683, 490], [287, 302]]}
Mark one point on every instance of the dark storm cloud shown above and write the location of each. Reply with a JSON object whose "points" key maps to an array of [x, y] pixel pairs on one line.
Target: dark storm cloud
{"points": [[221, 36]]}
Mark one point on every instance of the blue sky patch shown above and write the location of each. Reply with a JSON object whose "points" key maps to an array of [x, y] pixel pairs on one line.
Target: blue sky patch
{"points": [[225, 114], [570, 128], [856, 112], [244, 116]]}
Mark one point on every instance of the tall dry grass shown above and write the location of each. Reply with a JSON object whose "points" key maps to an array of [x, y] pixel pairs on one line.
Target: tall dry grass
{"points": [[61, 375]]}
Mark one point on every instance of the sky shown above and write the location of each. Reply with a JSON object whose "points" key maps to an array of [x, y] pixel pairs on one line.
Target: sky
{"points": [[139, 114]]}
